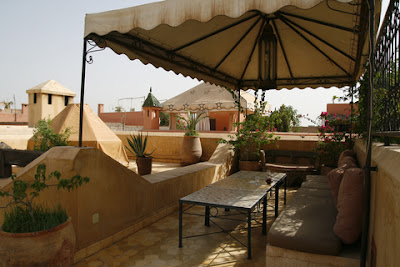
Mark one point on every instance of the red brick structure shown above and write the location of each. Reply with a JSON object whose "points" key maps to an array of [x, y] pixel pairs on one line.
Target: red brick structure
{"points": [[14, 116]]}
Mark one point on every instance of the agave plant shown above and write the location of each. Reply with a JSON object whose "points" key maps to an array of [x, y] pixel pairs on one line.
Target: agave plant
{"points": [[137, 146], [191, 121]]}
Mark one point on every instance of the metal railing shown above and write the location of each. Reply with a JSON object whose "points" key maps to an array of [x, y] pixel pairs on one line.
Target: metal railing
{"points": [[387, 76]]}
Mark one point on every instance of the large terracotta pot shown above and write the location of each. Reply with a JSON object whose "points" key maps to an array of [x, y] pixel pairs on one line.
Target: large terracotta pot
{"points": [[52, 247], [144, 165], [190, 150], [249, 165]]}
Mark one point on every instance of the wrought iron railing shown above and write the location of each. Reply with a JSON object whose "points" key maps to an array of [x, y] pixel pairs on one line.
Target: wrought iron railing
{"points": [[387, 75]]}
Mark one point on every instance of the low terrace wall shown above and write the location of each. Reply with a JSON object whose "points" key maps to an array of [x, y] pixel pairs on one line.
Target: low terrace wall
{"points": [[384, 231], [117, 202], [167, 144]]}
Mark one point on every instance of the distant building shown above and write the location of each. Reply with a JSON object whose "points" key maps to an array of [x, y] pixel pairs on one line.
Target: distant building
{"points": [[216, 102], [151, 112], [9, 115], [340, 108], [47, 100], [147, 119]]}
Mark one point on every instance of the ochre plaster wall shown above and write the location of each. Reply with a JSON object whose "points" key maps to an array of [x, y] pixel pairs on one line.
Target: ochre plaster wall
{"points": [[167, 146], [124, 201], [292, 143], [151, 118], [41, 109], [384, 230], [222, 120]]}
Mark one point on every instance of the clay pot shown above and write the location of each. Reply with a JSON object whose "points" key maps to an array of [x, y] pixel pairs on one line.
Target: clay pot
{"points": [[190, 150], [249, 165], [144, 165], [52, 247]]}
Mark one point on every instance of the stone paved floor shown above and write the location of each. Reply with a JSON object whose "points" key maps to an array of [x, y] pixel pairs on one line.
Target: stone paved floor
{"points": [[157, 244]]}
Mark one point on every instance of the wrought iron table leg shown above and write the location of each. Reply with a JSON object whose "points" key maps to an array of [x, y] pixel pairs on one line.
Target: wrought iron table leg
{"points": [[264, 225], [284, 200], [180, 224], [276, 200], [207, 216], [249, 234]]}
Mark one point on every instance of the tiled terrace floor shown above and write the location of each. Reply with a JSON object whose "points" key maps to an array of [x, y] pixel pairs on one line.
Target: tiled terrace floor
{"points": [[157, 244]]}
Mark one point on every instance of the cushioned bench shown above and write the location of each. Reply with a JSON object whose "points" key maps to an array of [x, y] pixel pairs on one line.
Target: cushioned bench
{"points": [[289, 161], [310, 231], [307, 223]]}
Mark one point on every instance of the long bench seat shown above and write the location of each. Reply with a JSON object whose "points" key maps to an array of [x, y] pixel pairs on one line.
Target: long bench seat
{"points": [[303, 233], [290, 161]]}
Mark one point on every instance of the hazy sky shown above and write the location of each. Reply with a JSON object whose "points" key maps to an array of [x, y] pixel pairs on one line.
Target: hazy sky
{"points": [[43, 40]]}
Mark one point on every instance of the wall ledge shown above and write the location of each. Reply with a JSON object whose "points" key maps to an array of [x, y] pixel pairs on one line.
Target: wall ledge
{"points": [[386, 158]]}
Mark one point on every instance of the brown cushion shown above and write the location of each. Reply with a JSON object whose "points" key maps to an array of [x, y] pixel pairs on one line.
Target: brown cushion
{"points": [[350, 204], [306, 225], [335, 178], [317, 178], [347, 159], [316, 184], [346, 153], [347, 162]]}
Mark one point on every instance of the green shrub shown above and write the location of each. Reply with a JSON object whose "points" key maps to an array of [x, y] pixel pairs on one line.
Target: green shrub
{"points": [[18, 219], [23, 214], [45, 138]]}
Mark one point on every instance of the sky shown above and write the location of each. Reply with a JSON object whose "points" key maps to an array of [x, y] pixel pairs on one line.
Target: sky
{"points": [[43, 40]]}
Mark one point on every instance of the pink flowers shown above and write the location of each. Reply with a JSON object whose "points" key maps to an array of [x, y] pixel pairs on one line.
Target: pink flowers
{"points": [[324, 114]]}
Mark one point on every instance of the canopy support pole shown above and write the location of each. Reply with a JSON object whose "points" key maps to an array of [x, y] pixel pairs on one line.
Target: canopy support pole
{"points": [[367, 167], [82, 91], [238, 110]]}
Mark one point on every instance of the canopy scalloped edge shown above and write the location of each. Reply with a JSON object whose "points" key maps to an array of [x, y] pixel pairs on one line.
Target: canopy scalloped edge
{"points": [[176, 12]]}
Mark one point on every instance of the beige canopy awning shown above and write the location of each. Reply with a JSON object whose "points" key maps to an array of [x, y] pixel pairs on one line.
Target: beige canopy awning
{"points": [[320, 43], [208, 97]]}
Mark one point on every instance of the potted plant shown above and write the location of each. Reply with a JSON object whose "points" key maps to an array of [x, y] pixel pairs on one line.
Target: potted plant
{"points": [[33, 234], [252, 133], [137, 146], [191, 150]]}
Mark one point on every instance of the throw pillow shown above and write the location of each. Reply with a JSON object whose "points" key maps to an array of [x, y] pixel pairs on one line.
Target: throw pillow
{"points": [[335, 177], [350, 206]]}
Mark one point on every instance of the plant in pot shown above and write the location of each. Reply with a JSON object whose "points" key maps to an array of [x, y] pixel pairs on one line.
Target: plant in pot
{"points": [[191, 150], [32, 233], [137, 146], [252, 133]]}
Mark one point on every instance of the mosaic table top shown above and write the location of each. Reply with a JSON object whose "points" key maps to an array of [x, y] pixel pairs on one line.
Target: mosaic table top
{"points": [[225, 197], [258, 175], [256, 184], [243, 189]]}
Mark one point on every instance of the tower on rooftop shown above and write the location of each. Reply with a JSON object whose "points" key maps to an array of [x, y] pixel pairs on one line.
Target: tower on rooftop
{"points": [[151, 112], [47, 100]]}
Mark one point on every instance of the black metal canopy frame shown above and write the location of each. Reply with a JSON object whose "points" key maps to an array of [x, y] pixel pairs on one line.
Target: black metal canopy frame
{"points": [[259, 19]]}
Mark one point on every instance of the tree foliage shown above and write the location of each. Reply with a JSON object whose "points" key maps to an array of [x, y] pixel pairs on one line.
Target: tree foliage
{"points": [[164, 119], [285, 119], [45, 138]]}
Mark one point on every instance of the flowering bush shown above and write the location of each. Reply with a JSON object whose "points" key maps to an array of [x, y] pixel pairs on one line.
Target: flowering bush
{"points": [[255, 131], [335, 136]]}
